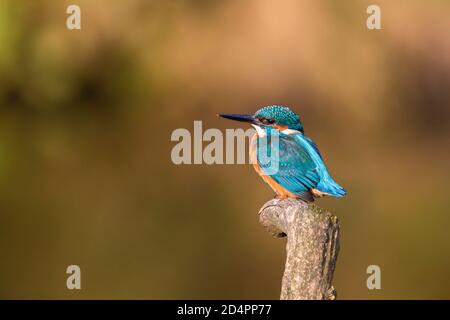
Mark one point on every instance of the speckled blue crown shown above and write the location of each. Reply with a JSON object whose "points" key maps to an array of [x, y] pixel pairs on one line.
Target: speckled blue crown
{"points": [[282, 115]]}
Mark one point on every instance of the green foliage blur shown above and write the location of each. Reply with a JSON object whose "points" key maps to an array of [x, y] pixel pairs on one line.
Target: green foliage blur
{"points": [[86, 117]]}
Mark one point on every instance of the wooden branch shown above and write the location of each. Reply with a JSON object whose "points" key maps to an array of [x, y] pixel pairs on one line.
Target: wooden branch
{"points": [[311, 250]]}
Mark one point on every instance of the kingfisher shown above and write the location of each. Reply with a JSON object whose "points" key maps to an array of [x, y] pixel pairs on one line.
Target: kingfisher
{"points": [[301, 172]]}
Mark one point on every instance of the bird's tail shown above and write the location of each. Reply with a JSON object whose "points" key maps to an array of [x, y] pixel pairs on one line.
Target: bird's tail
{"points": [[332, 188]]}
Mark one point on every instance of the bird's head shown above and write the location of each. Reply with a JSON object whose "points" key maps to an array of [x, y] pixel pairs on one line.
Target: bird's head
{"points": [[278, 117]]}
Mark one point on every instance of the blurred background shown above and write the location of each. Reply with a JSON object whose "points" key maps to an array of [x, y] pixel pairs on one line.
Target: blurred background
{"points": [[86, 117]]}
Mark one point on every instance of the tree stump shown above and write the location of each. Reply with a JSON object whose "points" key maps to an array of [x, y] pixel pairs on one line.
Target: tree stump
{"points": [[311, 250]]}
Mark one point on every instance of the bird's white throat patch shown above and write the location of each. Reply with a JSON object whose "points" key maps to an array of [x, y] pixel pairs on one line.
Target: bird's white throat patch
{"points": [[290, 131], [261, 132]]}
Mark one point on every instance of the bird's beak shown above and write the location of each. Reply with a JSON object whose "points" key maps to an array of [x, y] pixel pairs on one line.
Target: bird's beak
{"points": [[241, 117]]}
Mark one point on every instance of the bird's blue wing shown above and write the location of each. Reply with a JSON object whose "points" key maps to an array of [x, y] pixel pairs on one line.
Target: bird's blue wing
{"points": [[296, 168], [313, 144]]}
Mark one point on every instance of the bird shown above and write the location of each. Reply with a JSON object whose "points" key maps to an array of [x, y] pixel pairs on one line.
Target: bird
{"points": [[300, 169]]}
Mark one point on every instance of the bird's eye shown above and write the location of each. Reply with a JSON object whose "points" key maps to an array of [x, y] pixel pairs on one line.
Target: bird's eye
{"points": [[268, 121], [265, 121]]}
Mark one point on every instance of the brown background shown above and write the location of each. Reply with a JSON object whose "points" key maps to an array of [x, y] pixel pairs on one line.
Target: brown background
{"points": [[86, 117]]}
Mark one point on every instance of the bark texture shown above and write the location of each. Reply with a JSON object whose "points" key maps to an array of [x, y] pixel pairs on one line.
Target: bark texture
{"points": [[311, 250]]}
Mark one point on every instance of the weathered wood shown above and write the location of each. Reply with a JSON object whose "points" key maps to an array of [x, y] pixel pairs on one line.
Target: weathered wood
{"points": [[311, 250]]}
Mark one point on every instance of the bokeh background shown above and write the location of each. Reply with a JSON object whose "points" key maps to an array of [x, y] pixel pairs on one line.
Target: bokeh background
{"points": [[86, 117]]}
